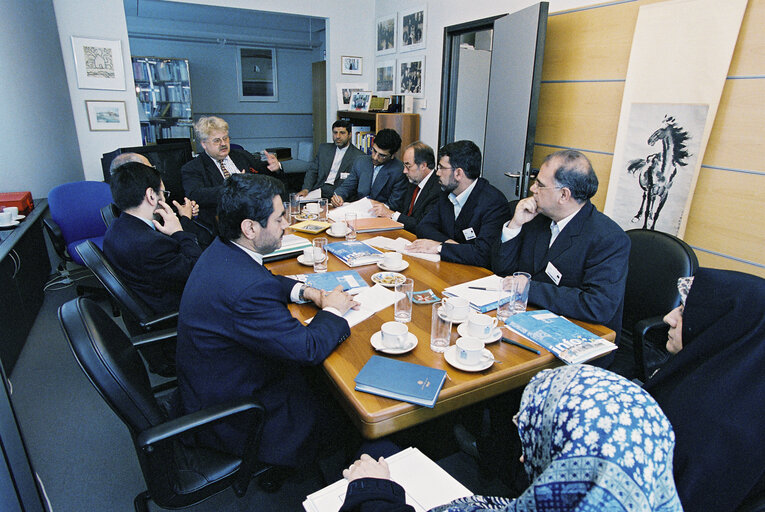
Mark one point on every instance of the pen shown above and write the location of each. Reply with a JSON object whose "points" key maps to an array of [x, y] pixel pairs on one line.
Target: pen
{"points": [[516, 344], [484, 289]]}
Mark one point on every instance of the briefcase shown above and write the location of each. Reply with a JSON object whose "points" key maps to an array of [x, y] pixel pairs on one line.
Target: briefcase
{"points": [[21, 200]]}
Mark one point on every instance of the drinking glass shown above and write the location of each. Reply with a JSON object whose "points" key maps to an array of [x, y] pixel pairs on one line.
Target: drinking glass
{"points": [[402, 309], [294, 206], [323, 209], [320, 254], [440, 329], [513, 296], [350, 221]]}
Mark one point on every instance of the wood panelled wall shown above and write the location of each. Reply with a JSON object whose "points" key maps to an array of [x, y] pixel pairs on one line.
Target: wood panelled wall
{"points": [[585, 65]]}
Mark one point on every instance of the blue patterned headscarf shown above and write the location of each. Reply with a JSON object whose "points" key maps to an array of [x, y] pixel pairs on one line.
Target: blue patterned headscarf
{"points": [[592, 441]]}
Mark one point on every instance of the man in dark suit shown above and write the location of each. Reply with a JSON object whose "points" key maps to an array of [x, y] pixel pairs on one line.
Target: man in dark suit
{"points": [[332, 162], [203, 176], [237, 339], [577, 257], [469, 214], [423, 190], [379, 176]]}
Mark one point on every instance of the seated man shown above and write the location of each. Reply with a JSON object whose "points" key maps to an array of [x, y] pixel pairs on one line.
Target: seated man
{"points": [[577, 257], [378, 176], [333, 161], [203, 177], [237, 339], [469, 216], [423, 190], [154, 257]]}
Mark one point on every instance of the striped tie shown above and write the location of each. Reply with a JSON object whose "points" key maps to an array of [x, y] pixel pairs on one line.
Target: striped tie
{"points": [[223, 169]]}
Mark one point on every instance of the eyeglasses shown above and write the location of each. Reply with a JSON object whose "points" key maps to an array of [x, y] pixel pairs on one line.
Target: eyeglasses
{"points": [[166, 194], [541, 186], [409, 164], [381, 156], [218, 140], [443, 167]]}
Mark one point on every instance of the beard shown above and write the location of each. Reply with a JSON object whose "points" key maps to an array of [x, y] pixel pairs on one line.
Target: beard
{"points": [[449, 187]]}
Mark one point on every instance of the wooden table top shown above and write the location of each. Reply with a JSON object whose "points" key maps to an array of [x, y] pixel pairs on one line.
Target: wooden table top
{"points": [[377, 416]]}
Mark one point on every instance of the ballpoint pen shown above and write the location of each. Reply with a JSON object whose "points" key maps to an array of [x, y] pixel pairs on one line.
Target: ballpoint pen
{"points": [[516, 344], [484, 289]]}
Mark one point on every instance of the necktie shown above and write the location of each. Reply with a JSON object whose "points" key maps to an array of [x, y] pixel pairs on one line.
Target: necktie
{"points": [[554, 230], [223, 169], [414, 198]]}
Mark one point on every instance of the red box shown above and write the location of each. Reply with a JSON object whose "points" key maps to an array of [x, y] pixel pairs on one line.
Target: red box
{"points": [[21, 200]]}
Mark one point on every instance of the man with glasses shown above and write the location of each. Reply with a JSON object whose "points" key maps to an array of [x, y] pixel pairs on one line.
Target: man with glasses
{"points": [[577, 256], [378, 176]]}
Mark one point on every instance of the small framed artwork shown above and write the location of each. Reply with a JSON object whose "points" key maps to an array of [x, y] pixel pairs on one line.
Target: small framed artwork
{"points": [[98, 63], [106, 116], [351, 65], [385, 77], [360, 101], [386, 35], [411, 75], [256, 74], [345, 91], [411, 29]]}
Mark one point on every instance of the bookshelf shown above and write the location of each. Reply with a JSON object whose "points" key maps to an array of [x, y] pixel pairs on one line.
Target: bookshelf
{"points": [[407, 125], [164, 98]]}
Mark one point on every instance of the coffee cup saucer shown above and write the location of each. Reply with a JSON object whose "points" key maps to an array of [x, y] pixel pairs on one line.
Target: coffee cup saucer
{"points": [[11, 224], [404, 265], [305, 261], [377, 343], [496, 333], [444, 316], [20, 217], [336, 235], [487, 359]]}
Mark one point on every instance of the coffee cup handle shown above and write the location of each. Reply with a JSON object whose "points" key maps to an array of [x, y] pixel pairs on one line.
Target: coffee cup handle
{"points": [[493, 323]]}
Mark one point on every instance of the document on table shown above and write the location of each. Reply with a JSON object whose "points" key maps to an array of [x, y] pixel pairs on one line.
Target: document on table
{"points": [[362, 208], [426, 484], [313, 195], [371, 301], [398, 245]]}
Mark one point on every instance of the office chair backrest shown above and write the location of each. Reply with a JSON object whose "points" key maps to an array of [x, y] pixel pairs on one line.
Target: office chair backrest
{"points": [[109, 214], [76, 208]]}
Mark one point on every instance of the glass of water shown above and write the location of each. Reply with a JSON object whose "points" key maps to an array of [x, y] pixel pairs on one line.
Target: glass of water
{"points": [[320, 254], [350, 221], [323, 209], [440, 329], [402, 309], [513, 296], [294, 206]]}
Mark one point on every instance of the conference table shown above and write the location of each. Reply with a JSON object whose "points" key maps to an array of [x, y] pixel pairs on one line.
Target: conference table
{"points": [[376, 416]]}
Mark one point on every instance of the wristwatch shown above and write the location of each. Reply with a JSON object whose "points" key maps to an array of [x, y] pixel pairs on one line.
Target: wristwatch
{"points": [[301, 293]]}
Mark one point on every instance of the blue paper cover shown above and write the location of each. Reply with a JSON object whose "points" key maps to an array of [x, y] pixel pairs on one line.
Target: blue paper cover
{"points": [[404, 381]]}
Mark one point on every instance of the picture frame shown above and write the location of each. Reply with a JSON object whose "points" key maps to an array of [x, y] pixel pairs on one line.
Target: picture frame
{"points": [[386, 35], [346, 90], [412, 27], [351, 65], [106, 116], [385, 77], [256, 74], [98, 63], [411, 76], [360, 101]]}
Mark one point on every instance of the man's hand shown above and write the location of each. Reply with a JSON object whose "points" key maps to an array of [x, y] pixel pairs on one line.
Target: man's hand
{"points": [[337, 299], [367, 467], [380, 210], [337, 201], [525, 211], [303, 192], [273, 162], [423, 245], [187, 208], [171, 223]]}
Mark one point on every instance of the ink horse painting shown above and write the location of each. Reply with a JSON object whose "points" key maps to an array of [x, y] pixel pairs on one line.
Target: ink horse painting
{"points": [[655, 172]]}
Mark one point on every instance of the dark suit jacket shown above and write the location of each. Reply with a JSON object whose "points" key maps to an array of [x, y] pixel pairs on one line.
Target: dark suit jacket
{"points": [[318, 170], [426, 200], [485, 211], [237, 339], [591, 253], [389, 187], [155, 266], [203, 182]]}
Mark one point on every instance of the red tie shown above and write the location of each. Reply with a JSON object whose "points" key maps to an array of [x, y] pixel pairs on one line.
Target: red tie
{"points": [[414, 198]]}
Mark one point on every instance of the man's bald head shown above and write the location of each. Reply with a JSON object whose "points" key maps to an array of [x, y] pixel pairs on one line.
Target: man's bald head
{"points": [[124, 158]]}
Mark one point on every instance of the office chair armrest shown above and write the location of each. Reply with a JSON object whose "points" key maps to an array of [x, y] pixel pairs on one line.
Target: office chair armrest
{"points": [[151, 338], [648, 324], [148, 324], [189, 422]]}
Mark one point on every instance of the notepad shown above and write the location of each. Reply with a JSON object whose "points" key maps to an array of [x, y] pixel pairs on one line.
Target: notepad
{"points": [[400, 380]]}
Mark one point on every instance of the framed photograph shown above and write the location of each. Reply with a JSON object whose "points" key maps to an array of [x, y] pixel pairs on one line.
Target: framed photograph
{"points": [[411, 75], [386, 35], [360, 101], [385, 77], [256, 74], [345, 91], [351, 65], [411, 29], [106, 116], [98, 63]]}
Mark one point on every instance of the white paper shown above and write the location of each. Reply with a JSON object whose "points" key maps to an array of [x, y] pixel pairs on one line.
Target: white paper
{"points": [[398, 245], [362, 208], [477, 298], [371, 300], [313, 195]]}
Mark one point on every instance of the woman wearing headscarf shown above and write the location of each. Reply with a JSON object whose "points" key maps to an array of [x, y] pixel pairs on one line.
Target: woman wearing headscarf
{"points": [[713, 389], [591, 440]]}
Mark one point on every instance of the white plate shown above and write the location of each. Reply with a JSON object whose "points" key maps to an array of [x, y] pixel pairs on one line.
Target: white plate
{"points": [[404, 266], [335, 235], [378, 278], [20, 217], [444, 316], [378, 344], [11, 224], [496, 334], [307, 216], [303, 261], [451, 357]]}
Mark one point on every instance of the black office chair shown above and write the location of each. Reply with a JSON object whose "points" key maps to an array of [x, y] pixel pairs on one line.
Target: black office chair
{"points": [[177, 473], [657, 260], [109, 214]]}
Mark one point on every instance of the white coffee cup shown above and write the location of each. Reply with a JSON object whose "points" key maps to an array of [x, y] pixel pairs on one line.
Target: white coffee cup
{"points": [[457, 308], [469, 351], [13, 210], [480, 325], [6, 218], [394, 334], [337, 228], [308, 254], [312, 208], [392, 259]]}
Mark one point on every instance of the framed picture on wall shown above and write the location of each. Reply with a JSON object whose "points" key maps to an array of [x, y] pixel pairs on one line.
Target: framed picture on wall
{"points": [[386, 35], [411, 29], [360, 101], [351, 65], [346, 90], [106, 116], [98, 63], [385, 77], [411, 75], [256, 74]]}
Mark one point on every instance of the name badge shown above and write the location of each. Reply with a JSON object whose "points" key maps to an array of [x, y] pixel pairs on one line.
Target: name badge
{"points": [[553, 273], [344, 175], [468, 233]]}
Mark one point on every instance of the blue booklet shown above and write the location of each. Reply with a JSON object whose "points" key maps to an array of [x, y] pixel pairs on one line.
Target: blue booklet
{"points": [[404, 381], [566, 340], [350, 280], [355, 254]]}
